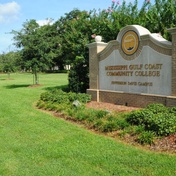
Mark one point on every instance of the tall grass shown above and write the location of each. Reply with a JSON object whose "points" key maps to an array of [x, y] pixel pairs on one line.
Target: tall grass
{"points": [[34, 143]]}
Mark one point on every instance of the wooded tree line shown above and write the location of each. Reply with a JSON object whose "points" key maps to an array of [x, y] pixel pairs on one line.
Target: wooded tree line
{"points": [[64, 42]]}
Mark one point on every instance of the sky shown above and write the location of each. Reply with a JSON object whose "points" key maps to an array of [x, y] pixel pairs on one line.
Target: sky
{"points": [[13, 13]]}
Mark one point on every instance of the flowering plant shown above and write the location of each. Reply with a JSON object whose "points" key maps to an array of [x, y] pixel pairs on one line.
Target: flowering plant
{"points": [[93, 36]]}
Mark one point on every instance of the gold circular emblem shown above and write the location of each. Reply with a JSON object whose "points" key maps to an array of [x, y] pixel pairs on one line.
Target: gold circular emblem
{"points": [[130, 42]]}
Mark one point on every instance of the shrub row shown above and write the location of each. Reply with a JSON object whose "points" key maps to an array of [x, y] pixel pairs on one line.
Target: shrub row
{"points": [[59, 96], [144, 124], [73, 106]]}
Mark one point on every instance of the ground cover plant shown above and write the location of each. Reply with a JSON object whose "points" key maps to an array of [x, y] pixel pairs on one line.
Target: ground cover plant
{"points": [[33, 142]]}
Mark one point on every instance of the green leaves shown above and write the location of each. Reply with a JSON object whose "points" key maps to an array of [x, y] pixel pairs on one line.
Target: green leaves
{"points": [[10, 62], [156, 118], [59, 96], [146, 137]]}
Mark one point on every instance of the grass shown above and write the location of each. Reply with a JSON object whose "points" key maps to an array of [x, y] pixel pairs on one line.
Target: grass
{"points": [[34, 143]]}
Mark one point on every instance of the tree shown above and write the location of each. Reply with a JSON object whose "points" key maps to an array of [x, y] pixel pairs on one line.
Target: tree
{"points": [[75, 33], [161, 16], [8, 62], [49, 46], [36, 50]]}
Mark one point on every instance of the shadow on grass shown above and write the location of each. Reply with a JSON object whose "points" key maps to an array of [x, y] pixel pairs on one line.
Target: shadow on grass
{"points": [[63, 87], [14, 86]]}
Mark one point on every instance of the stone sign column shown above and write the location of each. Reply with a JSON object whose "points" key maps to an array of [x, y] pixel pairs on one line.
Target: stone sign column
{"points": [[173, 33], [94, 49]]}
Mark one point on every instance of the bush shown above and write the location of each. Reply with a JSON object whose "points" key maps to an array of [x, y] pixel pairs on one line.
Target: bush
{"points": [[139, 129], [59, 96], [40, 104], [82, 115], [172, 110], [112, 123], [122, 123], [157, 108], [97, 124], [78, 75], [62, 108], [156, 118], [109, 126], [163, 124], [101, 113], [146, 137], [139, 117]]}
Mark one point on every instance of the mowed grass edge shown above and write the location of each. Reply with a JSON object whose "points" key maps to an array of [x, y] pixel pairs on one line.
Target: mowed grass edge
{"points": [[35, 143]]}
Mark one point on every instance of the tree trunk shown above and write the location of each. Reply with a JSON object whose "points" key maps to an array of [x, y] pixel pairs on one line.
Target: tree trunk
{"points": [[35, 77], [8, 75]]}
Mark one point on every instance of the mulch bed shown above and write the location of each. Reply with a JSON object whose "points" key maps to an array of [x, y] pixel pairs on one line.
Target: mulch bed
{"points": [[166, 144], [110, 107]]}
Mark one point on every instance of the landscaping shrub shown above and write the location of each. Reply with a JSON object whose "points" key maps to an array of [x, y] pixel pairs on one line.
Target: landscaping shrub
{"points": [[40, 104], [101, 113], [139, 117], [109, 126], [139, 129], [111, 123], [82, 115], [156, 118], [172, 110], [157, 108], [163, 124], [53, 96], [122, 123], [62, 107], [97, 124], [59, 96], [143, 124], [146, 137]]}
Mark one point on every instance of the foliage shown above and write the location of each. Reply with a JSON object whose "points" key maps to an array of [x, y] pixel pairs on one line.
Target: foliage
{"points": [[78, 75], [157, 108], [61, 101], [146, 137], [59, 96], [9, 62], [156, 118], [38, 46], [113, 123], [75, 28]]}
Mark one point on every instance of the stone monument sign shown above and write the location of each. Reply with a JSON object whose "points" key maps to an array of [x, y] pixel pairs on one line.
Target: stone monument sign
{"points": [[136, 69]]}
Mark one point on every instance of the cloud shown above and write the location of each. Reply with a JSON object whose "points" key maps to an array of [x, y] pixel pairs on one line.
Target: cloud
{"points": [[9, 12], [47, 21]]}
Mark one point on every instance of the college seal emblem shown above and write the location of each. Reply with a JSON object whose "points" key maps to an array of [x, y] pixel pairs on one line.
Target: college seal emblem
{"points": [[130, 42]]}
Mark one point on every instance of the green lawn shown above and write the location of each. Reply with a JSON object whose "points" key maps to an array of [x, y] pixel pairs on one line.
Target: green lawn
{"points": [[34, 143]]}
